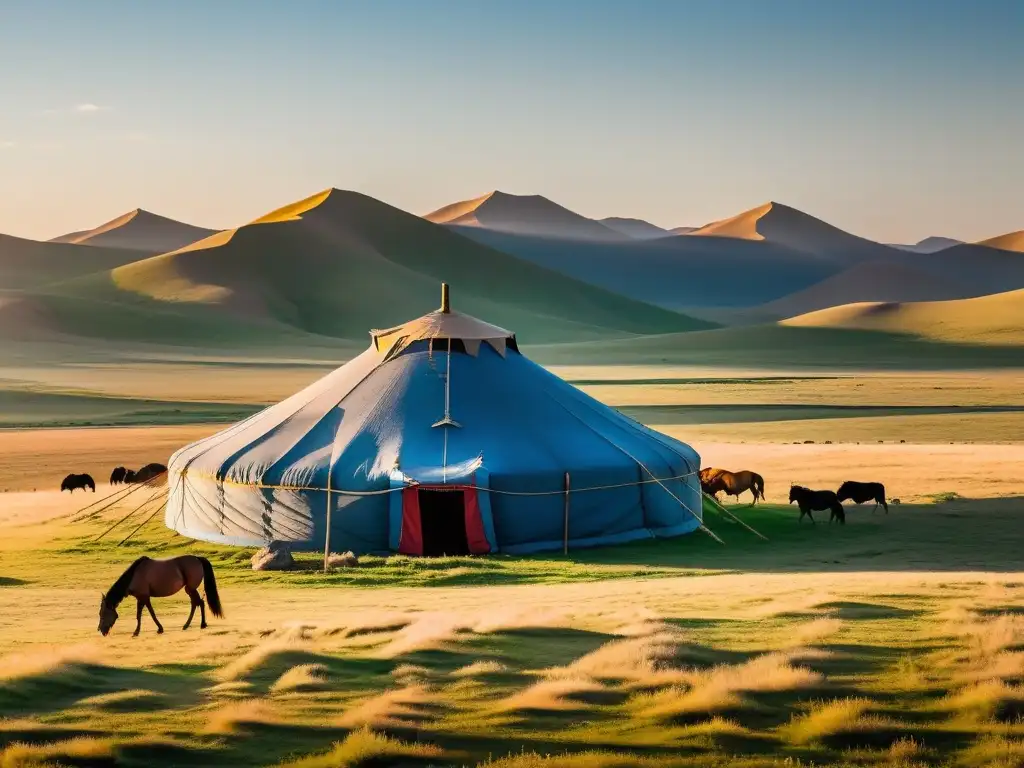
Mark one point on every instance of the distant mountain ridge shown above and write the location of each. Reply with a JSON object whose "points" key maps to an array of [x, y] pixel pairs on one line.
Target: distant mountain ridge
{"points": [[783, 225], [33, 264], [522, 214], [928, 245], [138, 230], [335, 265], [1011, 241], [635, 228]]}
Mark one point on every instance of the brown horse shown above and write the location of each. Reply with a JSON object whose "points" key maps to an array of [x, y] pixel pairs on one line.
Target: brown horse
{"points": [[713, 480], [147, 578]]}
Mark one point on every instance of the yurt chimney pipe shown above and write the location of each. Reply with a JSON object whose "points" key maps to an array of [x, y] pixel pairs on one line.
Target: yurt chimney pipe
{"points": [[445, 305]]}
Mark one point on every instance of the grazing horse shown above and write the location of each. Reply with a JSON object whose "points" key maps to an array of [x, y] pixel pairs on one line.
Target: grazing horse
{"points": [[861, 492], [817, 501], [148, 472], [117, 476], [713, 480], [147, 578], [71, 482]]}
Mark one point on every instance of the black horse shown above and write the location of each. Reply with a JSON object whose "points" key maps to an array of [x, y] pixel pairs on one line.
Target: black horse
{"points": [[117, 476], [147, 473], [861, 492], [817, 501], [71, 482]]}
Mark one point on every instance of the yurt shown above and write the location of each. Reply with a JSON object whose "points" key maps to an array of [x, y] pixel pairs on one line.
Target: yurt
{"points": [[440, 438]]}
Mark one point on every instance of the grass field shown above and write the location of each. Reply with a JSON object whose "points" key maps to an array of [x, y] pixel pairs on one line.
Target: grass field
{"points": [[717, 404], [896, 640]]}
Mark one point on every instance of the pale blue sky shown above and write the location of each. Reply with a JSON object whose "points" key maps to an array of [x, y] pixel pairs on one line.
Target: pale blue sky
{"points": [[895, 120]]}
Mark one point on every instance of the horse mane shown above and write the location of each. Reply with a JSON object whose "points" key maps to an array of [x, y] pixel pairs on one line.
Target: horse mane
{"points": [[119, 590]]}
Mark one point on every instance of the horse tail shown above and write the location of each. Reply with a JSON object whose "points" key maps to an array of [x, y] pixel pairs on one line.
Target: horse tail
{"points": [[210, 581], [759, 485]]}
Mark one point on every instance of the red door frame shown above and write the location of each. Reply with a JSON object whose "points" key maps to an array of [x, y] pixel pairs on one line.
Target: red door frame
{"points": [[411, 540]]}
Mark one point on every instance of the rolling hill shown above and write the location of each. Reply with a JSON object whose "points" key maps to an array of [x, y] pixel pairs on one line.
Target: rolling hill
{"points": [[1012, 241], [138, 230], [31, 264], [338, 264], [867, 281], [638, 229], [995, 319], [523, 214]]}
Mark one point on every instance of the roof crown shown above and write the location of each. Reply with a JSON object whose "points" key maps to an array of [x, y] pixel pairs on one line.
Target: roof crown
{"points": [[442, 323]]}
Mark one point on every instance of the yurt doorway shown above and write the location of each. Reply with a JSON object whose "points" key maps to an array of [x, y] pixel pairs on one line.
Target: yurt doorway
{"points": [[443, 518]]}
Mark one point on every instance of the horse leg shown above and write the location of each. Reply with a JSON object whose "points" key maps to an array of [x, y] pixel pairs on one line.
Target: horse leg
{"points": [[193, 596], [884, 506], [159, 626], [138, 616]]}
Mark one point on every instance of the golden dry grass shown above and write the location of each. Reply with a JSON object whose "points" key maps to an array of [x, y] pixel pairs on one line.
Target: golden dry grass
{"points": [[366, 747], [388, 709], [80, 750], [227, 719], [479, 669], [716, 665], [552, 695], [828, 719], [39, 459], [722, 687], [304, 677]]}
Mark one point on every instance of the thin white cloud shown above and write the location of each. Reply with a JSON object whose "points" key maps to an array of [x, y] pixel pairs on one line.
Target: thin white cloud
{"points": [[86, 108], [6, 144]]}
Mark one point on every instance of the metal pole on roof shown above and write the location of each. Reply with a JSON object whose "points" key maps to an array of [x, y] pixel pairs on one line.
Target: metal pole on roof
{"points": [[445, 304]]}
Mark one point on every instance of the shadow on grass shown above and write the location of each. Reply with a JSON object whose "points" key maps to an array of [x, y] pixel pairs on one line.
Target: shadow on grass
{"points": [[534, 648], [866, 611], [65, 685], [341, 673], [7, 581], [912, 537]]}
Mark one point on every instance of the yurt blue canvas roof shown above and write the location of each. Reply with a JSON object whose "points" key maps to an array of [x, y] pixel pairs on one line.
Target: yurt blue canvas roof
{"points": [[439, 438]]}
